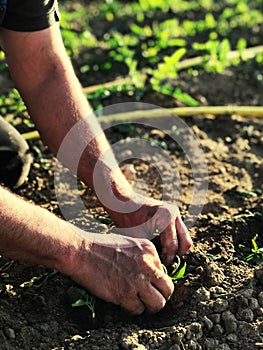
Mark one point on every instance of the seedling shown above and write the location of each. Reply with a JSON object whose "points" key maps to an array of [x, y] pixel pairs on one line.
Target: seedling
{"points": [[245, 193], [257, 253], [178, 272], [86, 300]]}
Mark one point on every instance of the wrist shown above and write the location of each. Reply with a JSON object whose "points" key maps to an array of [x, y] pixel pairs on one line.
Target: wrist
{"points": [[133, 210], [72, 247]]}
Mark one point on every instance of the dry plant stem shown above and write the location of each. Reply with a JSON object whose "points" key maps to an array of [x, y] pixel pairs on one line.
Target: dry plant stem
{"points": [[115, 83], [248, 111], [183, 112]]}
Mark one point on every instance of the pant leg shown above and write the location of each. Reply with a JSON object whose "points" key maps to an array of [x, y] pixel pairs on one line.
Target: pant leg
{"points": [[15, 158]]}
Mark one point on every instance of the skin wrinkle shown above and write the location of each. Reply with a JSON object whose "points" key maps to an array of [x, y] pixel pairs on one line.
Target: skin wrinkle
{"points": [[114, 265]]}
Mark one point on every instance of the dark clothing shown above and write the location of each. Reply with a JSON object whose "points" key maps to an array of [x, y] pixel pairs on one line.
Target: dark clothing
{"points": [[15, 159], [28, 15]]}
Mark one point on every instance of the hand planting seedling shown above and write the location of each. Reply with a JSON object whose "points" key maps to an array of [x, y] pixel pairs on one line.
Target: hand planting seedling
{"points": [[86, 300], [177, 273]]}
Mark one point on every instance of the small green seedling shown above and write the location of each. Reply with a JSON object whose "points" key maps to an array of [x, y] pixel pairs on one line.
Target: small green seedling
{"points": [[178, 272], [86, 300], [257, 253]]}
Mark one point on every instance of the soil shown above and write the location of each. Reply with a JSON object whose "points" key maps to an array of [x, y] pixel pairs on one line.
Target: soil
{"points": [[219, 302]]}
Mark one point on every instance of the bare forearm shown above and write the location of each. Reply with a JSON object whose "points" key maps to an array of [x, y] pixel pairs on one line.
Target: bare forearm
{"points": [[56, 107], [56, 103], [32, 234]]}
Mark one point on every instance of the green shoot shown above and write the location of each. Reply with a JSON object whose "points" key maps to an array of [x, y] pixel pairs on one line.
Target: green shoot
{"points": [[257, 253], [86, 300], [178, 272], [245, 193]]}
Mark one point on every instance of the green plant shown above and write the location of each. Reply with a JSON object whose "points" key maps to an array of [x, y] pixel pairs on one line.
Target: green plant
{"points": [[11, 103], [257, 253], [177, 272], [85, 300], [245, 193]]}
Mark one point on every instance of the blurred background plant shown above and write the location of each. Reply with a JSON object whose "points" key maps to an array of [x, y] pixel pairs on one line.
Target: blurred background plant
{"points": [[149, 42]]}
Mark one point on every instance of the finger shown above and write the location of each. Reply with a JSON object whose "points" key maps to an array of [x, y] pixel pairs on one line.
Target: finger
{"points": [[169, 243], [184, 238], [164, 284], [153, 300], [133, 305]]}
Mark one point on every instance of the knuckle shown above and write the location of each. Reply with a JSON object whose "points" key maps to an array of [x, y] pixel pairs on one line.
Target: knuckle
{"points": [[132, 306], [148, 247], [166, 216], [124, 292], [167, 213], [138, 310]]}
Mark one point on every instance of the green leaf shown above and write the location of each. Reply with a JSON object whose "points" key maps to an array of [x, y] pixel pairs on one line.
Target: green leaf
{"points": [[184, 97], [78, 303], [241, 45], [224, 49], [254, 244], [250, 257], [246, 193], [210, 21], [175, 58], [180, 273]]}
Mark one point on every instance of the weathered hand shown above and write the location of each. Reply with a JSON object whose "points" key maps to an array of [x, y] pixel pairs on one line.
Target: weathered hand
{"points": [[174, 235], [124, 271], [157, 218]]}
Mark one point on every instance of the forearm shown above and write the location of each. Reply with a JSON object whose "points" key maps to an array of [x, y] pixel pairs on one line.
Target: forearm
{"points": [[32, 234], [53, 95], [57, 106]]}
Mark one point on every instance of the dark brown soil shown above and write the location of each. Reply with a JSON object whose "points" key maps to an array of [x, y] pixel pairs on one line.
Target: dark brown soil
{"points": [[219, 303]]}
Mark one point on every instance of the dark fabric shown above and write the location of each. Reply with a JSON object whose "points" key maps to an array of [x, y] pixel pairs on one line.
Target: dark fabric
{"points": [[28, 15], [3, 4], [15, 159]]}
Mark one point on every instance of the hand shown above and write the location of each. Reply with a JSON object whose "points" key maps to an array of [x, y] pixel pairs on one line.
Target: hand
{"points": [[124, 271], [155, 218]]}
